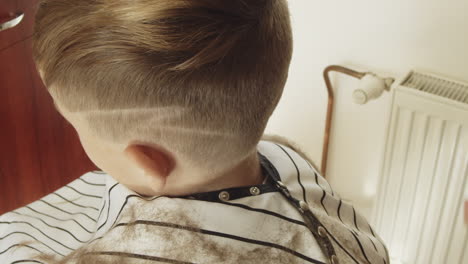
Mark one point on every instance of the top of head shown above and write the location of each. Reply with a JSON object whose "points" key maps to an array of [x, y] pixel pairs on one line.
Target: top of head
{"points": [[193, 76]]}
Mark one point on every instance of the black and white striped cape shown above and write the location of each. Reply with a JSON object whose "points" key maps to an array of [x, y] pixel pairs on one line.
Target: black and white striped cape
{"points": [[253, 224]]}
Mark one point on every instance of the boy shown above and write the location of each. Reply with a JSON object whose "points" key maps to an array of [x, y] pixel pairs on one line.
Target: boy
{"points": [[170, 99]]}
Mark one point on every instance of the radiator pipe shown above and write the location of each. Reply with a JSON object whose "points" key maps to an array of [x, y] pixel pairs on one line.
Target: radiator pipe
{"points": [[326, 75]]}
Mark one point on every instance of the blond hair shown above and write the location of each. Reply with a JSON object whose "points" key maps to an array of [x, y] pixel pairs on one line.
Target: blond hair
{"points": [[200, 78]]}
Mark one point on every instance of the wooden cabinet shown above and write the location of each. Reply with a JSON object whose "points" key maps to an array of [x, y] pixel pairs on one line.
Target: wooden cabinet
{"points": [[39, 150]]}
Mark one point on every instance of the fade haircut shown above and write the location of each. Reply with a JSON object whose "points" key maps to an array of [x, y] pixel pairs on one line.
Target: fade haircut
{"points": [[199, 78]]}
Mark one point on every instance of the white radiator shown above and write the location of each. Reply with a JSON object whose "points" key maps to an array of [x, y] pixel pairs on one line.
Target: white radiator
{"points": [[419, 210]]}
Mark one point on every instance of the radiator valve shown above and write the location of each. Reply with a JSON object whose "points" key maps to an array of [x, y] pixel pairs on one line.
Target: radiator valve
{"points": [[371, 86]]}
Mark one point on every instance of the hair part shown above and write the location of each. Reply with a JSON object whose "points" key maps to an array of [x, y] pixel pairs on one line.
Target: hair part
{"points": [[221, 64]]}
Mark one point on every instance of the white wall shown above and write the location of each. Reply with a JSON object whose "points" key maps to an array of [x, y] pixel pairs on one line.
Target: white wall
{"points": [[388, 37]]}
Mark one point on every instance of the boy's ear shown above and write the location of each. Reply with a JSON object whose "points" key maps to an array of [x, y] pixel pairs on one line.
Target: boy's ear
{"points": [[155, 163]]}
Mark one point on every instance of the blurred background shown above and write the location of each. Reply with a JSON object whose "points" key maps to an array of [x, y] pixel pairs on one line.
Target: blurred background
{"points": [[39, 150], [387, 37]]}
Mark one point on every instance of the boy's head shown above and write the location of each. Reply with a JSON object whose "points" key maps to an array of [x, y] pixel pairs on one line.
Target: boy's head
{"points": [[196, 80]]}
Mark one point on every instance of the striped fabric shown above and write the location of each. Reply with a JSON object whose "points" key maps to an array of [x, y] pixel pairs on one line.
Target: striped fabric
{"points": [[97, 219]]}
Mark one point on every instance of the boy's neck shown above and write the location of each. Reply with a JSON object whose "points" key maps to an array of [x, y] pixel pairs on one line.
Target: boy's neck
{"points": [[246, 173]]}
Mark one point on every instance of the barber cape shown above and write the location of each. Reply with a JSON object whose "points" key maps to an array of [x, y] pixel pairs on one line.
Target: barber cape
{"points": [[94, 219]]}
